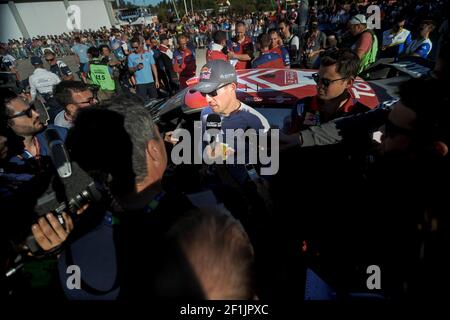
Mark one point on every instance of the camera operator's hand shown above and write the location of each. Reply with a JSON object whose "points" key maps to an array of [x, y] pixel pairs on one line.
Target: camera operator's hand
{"points": [[170, 138], [49, 233]]}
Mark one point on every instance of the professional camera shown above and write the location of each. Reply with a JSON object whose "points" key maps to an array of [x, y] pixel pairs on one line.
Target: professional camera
{"points": [[58, 185]]}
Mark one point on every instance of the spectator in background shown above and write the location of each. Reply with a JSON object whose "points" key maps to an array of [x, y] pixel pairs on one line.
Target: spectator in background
{"points": [[142, 64], [217, 49], [267, 57], [421, 46], [240, 50], [331, 43], [366, 43], [184, 61], [100, 74], [80, 50], [290, 41], [276, 45], [112, 61], [42, 81], [313, 44], [58, 67], [72, 96], [396, 39], [168, 77]]}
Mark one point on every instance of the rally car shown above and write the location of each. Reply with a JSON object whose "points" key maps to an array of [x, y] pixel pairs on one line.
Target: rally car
{"points": [[273, 92]]}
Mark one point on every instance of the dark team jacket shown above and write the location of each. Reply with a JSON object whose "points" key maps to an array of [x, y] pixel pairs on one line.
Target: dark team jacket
{"points": [[307, 113]]}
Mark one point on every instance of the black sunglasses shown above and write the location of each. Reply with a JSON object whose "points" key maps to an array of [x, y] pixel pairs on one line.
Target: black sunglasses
{"points": [[28, 112], [91, 101], [325, 82], [213, 93]]}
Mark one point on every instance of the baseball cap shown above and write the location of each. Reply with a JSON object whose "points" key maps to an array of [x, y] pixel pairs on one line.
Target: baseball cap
{"points": [[358, 19], [36, 61], [213, 75]]}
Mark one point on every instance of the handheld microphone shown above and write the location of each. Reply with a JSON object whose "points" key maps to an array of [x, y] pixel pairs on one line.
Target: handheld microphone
{"points": [[213, 123], [58, 153], [42, 111]]}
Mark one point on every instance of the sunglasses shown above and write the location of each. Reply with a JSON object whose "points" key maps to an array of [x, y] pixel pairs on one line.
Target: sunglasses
{"points": [[91, 101], [49, 60], [28, 112], [213, 93], [325, 82], [135, 48]]}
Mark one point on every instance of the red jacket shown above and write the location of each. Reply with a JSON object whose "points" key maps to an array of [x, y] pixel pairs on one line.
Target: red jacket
{"points": [[246, 47], [184, 63], [215, 53]]}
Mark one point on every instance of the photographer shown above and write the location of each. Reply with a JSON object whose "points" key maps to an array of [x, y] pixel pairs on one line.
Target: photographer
{"points": [[18, 178], [144, 210], [24, 122], [412, 160]]}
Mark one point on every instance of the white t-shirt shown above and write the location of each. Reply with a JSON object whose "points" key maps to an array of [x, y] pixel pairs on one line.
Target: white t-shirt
{"points": [[61, 121], [42, 81]]}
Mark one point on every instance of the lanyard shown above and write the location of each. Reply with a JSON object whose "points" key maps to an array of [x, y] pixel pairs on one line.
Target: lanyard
{"points": [[154, 203]]}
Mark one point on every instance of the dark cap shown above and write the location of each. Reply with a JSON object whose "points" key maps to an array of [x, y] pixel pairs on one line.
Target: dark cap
{"points": [[35, 61], [163, 37], [213, 75]]}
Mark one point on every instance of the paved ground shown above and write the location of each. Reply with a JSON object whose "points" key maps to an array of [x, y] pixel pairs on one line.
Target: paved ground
{"points": [[26, 69]]}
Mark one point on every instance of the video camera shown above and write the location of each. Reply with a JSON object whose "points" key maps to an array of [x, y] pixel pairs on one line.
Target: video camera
{"points": [[69, 188], [58, 185]]}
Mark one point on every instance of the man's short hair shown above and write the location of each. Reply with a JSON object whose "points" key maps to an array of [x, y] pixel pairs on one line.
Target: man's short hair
{"points": [[240, 23], [6, 96], [429, 22], [113, 139], [399, 18], [218, 251], [219, 36], [286, 23], [346, 61], [264, 40], [182, 36], [63, 91], [103, 46], [94, 52], [135, 40], [272, 31]]}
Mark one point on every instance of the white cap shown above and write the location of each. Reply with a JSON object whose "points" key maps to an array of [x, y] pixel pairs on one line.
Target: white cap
{"points": [[358, 19]]}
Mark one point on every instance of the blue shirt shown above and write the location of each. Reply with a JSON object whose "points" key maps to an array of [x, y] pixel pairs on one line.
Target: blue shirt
{"points": [[43, 147], [144, 75], [244, 118], [420, 47], [81, 51]]}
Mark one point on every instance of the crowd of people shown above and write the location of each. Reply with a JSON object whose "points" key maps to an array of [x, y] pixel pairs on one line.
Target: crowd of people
{"points": [[340, 202]]}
